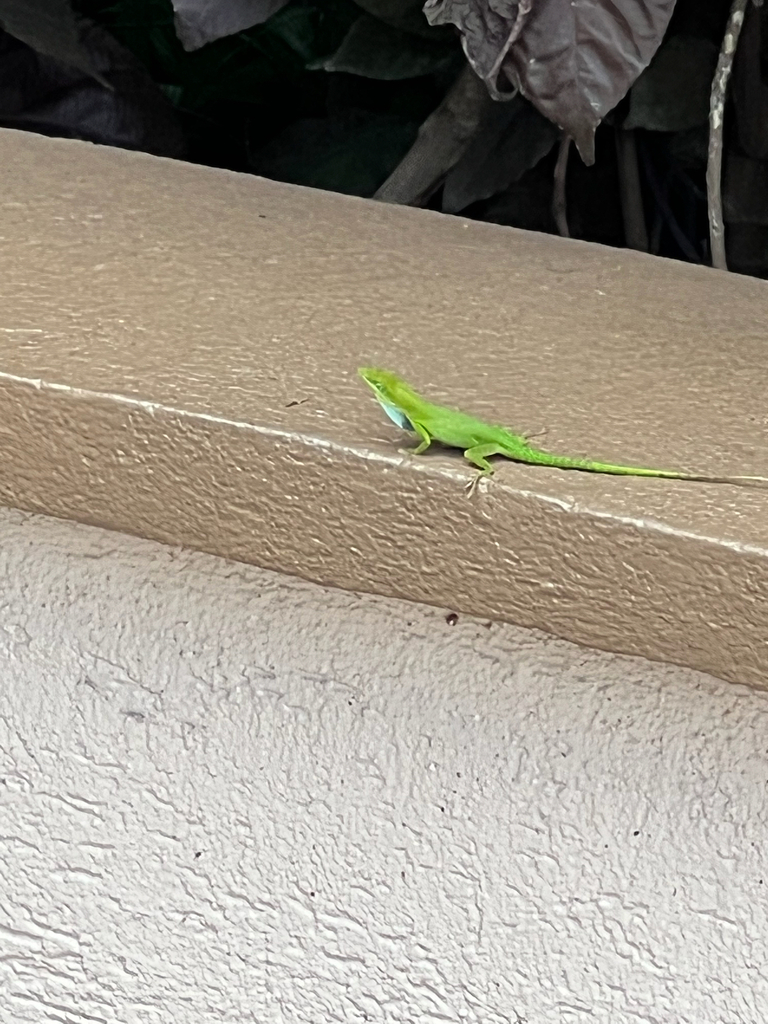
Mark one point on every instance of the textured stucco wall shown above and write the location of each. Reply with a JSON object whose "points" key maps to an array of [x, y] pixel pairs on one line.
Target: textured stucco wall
{"points": [[231, 796]]}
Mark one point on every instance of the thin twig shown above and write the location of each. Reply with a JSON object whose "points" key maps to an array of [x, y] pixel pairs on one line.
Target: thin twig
{"points": [[716, 112], [633, 214], [559, 209]]}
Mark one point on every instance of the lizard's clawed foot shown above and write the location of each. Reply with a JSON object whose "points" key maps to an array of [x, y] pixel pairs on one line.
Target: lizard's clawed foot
{"points": [[471, 487]]}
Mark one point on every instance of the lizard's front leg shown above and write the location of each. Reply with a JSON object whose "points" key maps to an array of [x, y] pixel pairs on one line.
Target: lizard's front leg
{"points": [[425, 442]]}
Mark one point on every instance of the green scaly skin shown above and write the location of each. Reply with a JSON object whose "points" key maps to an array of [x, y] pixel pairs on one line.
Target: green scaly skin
{"points": [[480, 440]]}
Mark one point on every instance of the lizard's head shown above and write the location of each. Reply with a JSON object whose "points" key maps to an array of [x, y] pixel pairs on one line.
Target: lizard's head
{"points": [[387, 387], [394, 395]]}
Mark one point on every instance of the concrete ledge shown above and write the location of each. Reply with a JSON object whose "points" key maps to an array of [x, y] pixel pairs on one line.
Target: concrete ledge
{"points": [[178, 354]]}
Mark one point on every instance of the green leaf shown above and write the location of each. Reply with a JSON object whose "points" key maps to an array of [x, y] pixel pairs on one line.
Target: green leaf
{"points": [[351, 152], [199, 22], [373, 49], [512, 138], [50, 27], [672, 94], [406, 15], [60, 100]]}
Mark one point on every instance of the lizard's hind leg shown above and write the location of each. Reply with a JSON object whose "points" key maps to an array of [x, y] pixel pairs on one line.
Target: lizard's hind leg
{"points": [[478, 456]]}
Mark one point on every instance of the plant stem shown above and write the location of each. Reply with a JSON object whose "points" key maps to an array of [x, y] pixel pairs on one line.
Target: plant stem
{"points": [[716, 112], [559, 209]]}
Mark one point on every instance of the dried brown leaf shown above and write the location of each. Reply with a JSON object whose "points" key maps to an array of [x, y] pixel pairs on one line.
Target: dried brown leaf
{"points": [[574, 59]]}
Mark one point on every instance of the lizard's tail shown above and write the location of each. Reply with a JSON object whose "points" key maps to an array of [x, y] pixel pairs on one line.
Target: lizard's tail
{"points": [[588, 466]]}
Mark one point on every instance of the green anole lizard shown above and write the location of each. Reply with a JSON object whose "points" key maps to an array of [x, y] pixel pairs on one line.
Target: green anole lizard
{"points": [[479, 440]]}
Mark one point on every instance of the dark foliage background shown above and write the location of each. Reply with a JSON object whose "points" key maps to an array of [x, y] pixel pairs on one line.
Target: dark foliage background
{"points": [[374, 97]]}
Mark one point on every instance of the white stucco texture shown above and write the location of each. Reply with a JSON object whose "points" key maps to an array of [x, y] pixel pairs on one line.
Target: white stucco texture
{"points": [[228, 795]]}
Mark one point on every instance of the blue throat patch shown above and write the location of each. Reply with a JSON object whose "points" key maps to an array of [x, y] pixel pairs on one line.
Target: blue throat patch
{"points": [[397, 416]]}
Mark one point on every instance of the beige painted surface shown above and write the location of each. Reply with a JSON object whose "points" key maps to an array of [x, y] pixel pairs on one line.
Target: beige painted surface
{"points": [[231, 796], [178, 348]]}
